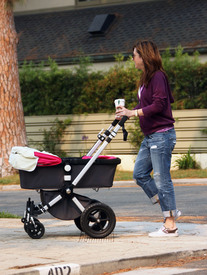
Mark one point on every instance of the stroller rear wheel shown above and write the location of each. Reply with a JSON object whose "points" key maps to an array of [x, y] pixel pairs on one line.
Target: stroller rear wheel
{"points": [[77, 220], [78, 224], [98, 220], [35, 230]]}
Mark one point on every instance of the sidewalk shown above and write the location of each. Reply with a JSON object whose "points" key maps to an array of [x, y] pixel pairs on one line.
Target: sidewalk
{"points": [[65, 250], [64, 246]]}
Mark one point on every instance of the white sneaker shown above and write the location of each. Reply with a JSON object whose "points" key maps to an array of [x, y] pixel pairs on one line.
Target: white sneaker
{"points": [[164, 232]]}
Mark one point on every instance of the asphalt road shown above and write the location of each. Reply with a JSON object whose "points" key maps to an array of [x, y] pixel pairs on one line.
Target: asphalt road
{"points": [[125, 201]]}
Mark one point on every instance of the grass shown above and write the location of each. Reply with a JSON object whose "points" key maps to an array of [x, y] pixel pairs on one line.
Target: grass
{"points": [[126, 175], [7, 215], [175, 174], [189, 173], [10, 180]]}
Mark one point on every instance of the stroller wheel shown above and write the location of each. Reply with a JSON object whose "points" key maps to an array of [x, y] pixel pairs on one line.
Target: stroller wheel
{"points": [[26, 224], [98, 220], [78, 224], [77, 220], [36, 230]]}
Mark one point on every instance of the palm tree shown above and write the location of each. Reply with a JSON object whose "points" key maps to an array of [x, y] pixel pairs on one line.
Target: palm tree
{"points": [[12, 126]]}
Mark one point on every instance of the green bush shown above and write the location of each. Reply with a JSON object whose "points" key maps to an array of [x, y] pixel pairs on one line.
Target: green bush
{"points": [[187, 78], [204, 131], [136, 136], [98, 94], [56, 91], [187, 161]]}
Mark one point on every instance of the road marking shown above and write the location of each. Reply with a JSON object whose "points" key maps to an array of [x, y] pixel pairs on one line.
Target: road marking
{"points": [[66, 269]]}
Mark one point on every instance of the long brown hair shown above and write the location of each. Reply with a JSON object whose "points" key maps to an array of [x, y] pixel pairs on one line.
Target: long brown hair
{"points": [[151, 59]]}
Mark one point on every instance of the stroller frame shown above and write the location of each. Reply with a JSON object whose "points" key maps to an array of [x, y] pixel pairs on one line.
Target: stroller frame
{"points": [[94, 218]]}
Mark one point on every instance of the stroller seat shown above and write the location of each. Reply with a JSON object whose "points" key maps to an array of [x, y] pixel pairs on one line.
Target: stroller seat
{"points": [[101, 174]]}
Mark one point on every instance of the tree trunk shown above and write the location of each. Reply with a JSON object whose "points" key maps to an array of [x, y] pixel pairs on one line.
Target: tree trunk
{"points": [[12, 126]]}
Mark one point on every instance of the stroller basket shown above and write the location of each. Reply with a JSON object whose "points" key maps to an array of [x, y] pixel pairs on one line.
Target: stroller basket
{"points": [[101, 174]]}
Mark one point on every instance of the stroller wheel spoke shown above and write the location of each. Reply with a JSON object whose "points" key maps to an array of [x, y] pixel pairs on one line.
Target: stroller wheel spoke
{"points": [[97, 227], [104, 220], [92, 218]]}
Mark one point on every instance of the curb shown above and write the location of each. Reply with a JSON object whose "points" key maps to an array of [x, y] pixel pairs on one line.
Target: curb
{"points": [[115, 266], [175, 181], [190, 181], [10, 187], [136, 262]]}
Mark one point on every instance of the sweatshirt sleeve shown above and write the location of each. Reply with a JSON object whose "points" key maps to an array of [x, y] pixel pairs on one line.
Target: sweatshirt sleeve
{"points": [[137, 107], [159, 95]]}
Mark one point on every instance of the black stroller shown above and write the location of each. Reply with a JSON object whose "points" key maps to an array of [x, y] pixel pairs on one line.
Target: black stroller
{"points": [[56, 186]]}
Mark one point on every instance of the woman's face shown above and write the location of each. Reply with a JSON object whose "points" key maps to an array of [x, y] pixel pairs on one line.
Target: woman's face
{"points": [[138, 62]]}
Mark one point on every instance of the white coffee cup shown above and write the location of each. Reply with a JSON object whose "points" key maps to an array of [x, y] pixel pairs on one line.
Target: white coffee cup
{"points": [[119, 102]]}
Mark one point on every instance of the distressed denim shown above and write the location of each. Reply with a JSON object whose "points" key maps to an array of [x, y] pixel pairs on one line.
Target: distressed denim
{"points": [[155, 154]]}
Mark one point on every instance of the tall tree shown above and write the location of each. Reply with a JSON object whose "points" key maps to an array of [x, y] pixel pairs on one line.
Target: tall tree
{"points": [[12, 126]]}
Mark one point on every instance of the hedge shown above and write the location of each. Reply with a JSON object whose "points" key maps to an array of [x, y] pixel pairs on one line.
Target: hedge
{"points": [[56, 91]]}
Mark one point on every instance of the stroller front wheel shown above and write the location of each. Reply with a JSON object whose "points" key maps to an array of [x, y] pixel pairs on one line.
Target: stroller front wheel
{"points": [[98, 220], [35, 230]]}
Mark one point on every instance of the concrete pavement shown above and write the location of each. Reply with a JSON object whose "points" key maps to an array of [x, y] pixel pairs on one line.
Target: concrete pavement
{"points": [[65, 250], [64, 247]]}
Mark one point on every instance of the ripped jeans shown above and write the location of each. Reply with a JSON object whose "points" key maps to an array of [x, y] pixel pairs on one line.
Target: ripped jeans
{"points": [[155, 154]]}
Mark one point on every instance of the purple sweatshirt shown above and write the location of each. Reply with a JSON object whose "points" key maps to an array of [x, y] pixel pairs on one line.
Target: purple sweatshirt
{"points": [[155, 103]]}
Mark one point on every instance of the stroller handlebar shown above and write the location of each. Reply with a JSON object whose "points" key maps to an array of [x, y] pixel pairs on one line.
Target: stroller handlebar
{"points": [[123, 120], [116, 121]]}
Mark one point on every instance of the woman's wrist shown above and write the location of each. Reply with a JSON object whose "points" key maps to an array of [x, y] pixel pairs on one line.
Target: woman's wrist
{"points": [[136, 113]]}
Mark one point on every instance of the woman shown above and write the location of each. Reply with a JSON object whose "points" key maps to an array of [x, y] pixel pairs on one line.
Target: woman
{"points": [[157, 123]]}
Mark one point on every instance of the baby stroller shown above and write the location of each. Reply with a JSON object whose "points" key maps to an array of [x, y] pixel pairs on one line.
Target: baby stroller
{"points": [[56, 185]]}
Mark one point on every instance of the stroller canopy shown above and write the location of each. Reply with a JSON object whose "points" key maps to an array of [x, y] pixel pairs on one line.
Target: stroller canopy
{"points": [[25, 158]]}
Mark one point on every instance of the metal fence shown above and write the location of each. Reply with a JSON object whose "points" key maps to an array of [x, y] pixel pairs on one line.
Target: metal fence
{"points": [[81, 134]]}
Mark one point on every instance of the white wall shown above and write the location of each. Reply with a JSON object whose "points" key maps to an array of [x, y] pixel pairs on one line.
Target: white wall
{"points": [[39, 5], [127, 161], [27, 6], [105, 66]]}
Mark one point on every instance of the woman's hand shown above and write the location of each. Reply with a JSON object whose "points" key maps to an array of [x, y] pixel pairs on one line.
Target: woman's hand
{"points": [[122, 111]]}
